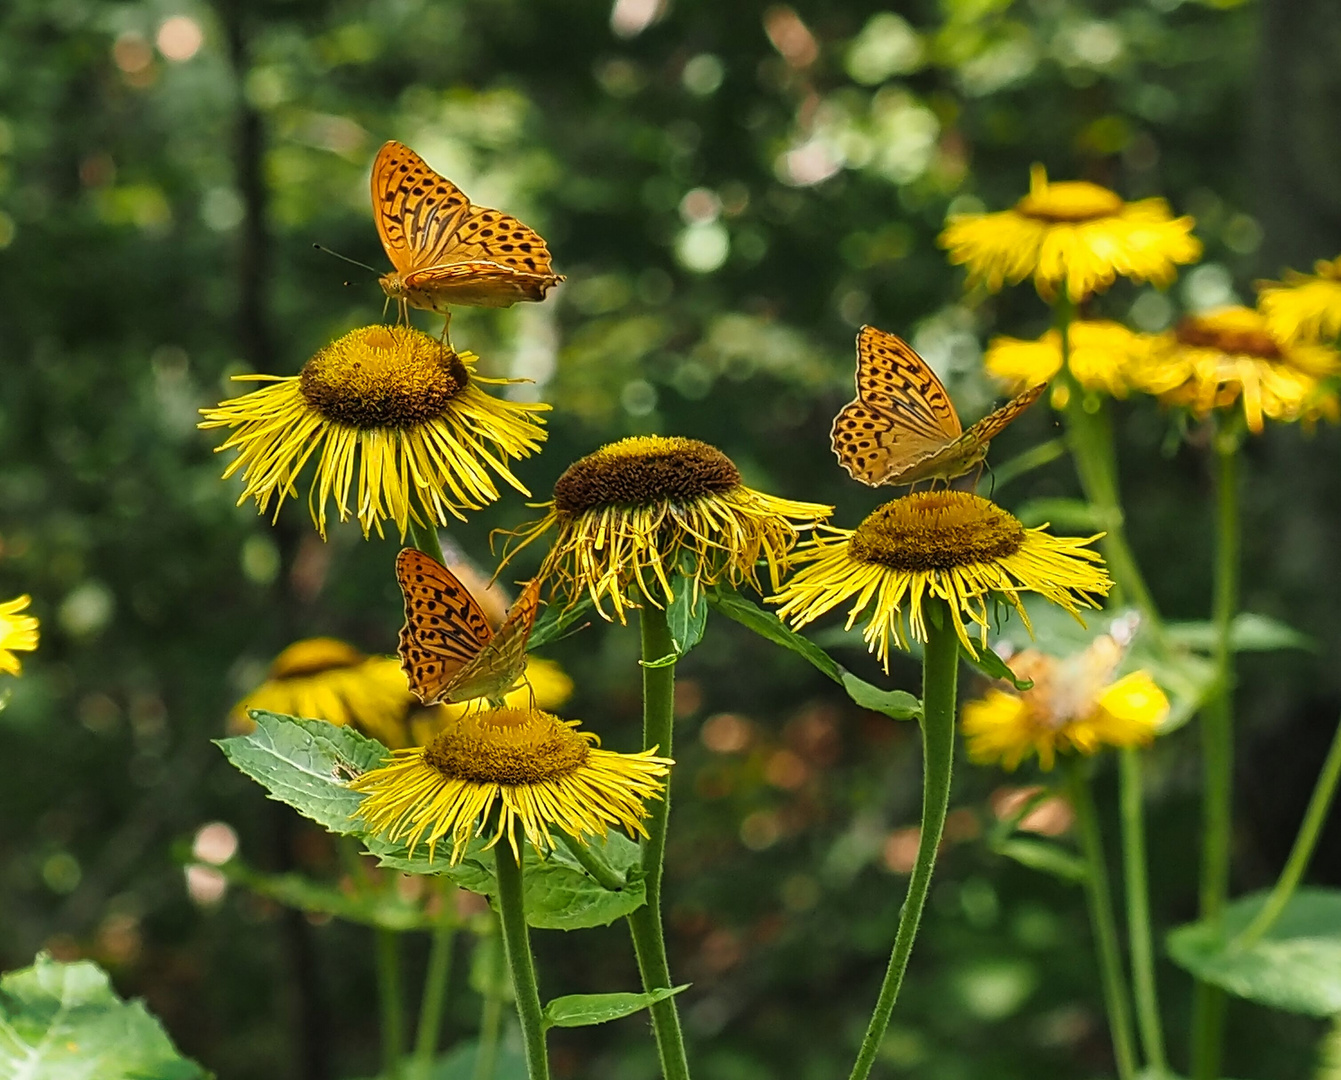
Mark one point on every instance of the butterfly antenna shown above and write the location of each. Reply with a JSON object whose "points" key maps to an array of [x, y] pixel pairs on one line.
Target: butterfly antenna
{"points": [[347, 259]]}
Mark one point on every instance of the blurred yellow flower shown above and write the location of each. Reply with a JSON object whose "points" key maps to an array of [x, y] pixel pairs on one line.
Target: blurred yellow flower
{"points": [[18, 633], [536, 769], [1101, 356], [1075, 705], [1304, 307], [1210, 361], [1072, 233], [397, 423], [642, 509], [949, 545], [325, 679]]}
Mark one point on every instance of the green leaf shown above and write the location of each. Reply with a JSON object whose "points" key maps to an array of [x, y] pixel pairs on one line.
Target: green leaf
{"points": [[460, 1063], [583, 1010], [687, 616], [64, 1022], [559, 894], [381, 907], [1040, 855], [1064, 514], [1248, 633], [554, 624], [993, 666], [896, 704], [306, 764], [1295, 967]]}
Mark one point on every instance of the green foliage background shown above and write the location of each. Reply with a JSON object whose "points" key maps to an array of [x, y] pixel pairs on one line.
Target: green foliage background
{"points": [[157, 219]]}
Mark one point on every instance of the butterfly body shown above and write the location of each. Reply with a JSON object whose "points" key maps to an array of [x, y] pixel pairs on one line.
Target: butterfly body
{"points": [[902, 428], [445, 250], [447, 648]]}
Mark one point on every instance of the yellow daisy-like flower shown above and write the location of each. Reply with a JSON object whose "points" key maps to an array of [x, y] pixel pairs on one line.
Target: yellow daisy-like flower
{"points": [[18, 633], [491, 770], [950, 545], [1211, 361], [641, 509], [1073, 706], [1304, 307], [1101, 357], [325, 679], [397, 422], [545, 686], [1072, 233]]}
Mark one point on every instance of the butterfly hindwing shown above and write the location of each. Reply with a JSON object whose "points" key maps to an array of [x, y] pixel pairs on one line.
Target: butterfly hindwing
{"points": [[503, 660], [870, 444]]}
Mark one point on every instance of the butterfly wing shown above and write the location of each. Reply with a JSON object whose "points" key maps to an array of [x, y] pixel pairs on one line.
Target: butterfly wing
{"points": [[416, 210], [959, 456], [901, 416], [502, 661], [445, 629]]}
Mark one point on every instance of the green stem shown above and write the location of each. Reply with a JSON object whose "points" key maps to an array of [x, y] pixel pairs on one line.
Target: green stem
{"points": [[431, 1005], [607, 877], [1090, 435], [389, 993], [517, 942], [1314, 819], [491, 1012], [940, 667], [1217, 734], [1102, 921], [649, 937], [1135, 875], [425, 538]]}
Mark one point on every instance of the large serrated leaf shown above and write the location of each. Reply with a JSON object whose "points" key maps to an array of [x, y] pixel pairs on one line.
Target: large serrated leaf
{"points": [[64, 1022], [896, 704], [1296, 966], [306, 764], [583, 1010]]}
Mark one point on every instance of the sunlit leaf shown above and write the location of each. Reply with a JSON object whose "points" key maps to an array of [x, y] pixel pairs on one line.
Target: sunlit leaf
{"points": [[583, 1010]]}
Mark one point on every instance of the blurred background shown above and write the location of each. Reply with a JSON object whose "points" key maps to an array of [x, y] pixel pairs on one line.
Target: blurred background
{"points": [[732, 189]]}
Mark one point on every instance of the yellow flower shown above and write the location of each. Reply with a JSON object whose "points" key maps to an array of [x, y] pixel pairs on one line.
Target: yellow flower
{"points": [[397, 423], [17, 633], [641, 509], [534, 768], [1304, 307], [1073, 233], [1073, 706], [1211, 361], [949, 545], [545, 686], [1101, 353], [325, 679]]}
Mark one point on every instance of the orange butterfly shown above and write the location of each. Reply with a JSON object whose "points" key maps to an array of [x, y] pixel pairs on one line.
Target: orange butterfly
{"points": [[447, 648], [445, 249], [902, 428]]}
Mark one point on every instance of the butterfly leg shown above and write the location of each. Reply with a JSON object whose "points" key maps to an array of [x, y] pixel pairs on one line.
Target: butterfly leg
{"points": [[446, 325]]}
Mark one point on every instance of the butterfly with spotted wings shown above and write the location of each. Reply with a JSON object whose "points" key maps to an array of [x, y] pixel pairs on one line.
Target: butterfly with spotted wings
{"points": [[447, 648], [445, 249], [901, 427]]}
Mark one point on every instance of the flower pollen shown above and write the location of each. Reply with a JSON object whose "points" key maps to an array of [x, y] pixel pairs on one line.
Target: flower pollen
{"points": [[936, 530], [509, 746], [642, 470], [383, 377]]}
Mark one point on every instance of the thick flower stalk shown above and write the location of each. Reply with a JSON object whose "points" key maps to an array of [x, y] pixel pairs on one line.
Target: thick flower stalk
{"points": [[396, 423]]}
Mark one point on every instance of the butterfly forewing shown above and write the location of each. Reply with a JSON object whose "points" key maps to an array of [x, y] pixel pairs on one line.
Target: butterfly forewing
{"points": [[445, 629], [416, 209], [503, 660], [902, 427]]}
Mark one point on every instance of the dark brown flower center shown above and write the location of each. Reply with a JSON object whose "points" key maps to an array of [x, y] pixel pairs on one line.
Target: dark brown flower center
{"points": [[936, 530], [643, 470]]}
